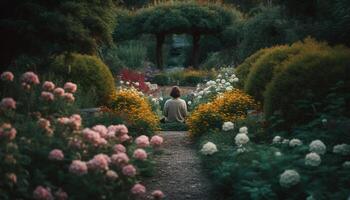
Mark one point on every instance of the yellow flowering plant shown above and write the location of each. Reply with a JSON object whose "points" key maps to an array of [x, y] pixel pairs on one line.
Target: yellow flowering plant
{"points": [[136, 111], [229, 106]]}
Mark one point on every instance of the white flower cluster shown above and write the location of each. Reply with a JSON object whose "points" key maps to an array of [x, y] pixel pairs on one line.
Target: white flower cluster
{"points": [[289, 178], [346, 164], [295, 142], [242, 137], [318, 147], [277, 140], [209, 148], [342, 149], [312, 159], [228, 126], [225, 81]]}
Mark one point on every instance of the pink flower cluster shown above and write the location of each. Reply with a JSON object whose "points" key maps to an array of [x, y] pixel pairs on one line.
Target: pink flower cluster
{"points": [[59, 92], [142, 141], [140, 154], [100, 162], [138, 189], [56, 154], [119, 131], [47, 96], [48, 86], [45, 125], [7, 103], [41, 193], [156, 141], [12, 177], [7, 76], [6, 130], [93, 137], [157, 194], [112, 175], [78, 167], [129, 170], [119, 148], [74, 121], [61, 195], [120, 159], [28, 79], [70, 87]]}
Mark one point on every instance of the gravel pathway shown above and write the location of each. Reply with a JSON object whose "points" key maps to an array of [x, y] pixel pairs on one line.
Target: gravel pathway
{"points": [[178, 170]]}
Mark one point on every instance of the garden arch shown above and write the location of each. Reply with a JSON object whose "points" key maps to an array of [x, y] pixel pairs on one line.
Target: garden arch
{"points": [[190, 18]]}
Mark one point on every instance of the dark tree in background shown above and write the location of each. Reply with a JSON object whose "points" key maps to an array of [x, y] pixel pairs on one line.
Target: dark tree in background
{"points": [[41, 28]]}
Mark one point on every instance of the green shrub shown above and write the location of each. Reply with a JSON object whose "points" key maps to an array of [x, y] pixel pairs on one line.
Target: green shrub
{"points": [[161, 79], [89, 72], [243, 69], [306, 76]]}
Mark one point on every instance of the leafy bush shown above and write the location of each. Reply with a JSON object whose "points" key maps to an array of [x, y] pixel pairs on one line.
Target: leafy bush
{"points": [[254, 170], [136, 111], [161, 79], [88, 72], [230, 106], [243, 69], [268, 65], [132, 54], [309, 75], [48, 154]]}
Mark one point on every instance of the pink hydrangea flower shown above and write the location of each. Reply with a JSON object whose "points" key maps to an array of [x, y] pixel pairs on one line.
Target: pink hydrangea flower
{"points": [[48, 86], [59, 92], [118, 129], [75, 121], [30, 78], [140, 154], [142, 141], [124, 138], [41, 193], [75, 143], [69, 97], [47, 96], [70, 87], [119, 148], [56, 154], [61, 195], [93, 137], [63, 120], [138, 189], [12, 177], [7, 76], [120, 159], [8, 103], [99, 162], [44, 123], [111, 175], [6, 130], [78, 167], [157, 194], [129, 170], [156, 141], [101, 129]]}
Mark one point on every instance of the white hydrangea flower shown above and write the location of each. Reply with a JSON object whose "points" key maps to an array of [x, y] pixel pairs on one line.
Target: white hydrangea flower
{"points": [[310, 198], [229, 88], [278, 153], [312, 159], [233, 76], [243, 129], [211, 83], [241, 139], [241, 150], [324, 121], [289, 178], [235, 80], [137, 83], [227, 126], [277, 139], [285, 141], [218, 80], [189, 102], [342, 149], [223, 81], [318, 147], [199, 97], [346, 164], [209, 148], [121, 82], [161, 98], [219, 76], [295, 142]]}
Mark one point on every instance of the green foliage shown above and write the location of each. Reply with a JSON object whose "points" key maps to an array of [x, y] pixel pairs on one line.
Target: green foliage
{"points": [[221, 58], [310, 75], [173, 126], [243, 69], [161, 79], [265, 29], [89, 72], [44, 28]]}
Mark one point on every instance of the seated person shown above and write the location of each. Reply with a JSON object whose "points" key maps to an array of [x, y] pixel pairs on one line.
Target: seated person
{"points": [[175, 109]]}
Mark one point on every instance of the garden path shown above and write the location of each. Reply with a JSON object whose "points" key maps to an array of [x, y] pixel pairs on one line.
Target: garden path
{"points": [[178, 170]]}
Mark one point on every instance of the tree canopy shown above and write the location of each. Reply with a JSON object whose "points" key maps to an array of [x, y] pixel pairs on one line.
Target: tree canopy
{"points": [[46, 27]]}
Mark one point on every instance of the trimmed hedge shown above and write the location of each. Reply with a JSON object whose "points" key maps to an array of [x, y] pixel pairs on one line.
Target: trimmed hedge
{"points": [[310, 74], [89, 72], [243, 69]]}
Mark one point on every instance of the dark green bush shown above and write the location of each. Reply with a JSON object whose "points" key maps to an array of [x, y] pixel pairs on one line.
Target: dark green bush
{"points": [[310, 75], [161, 79], [89, 72]]}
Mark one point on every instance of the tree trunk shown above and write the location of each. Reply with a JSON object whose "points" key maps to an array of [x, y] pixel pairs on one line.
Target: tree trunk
{"points": [[159, 51], [195, 50]]}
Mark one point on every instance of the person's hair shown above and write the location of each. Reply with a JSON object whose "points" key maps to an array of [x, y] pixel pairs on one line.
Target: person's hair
{"points": [[175, 92]]}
